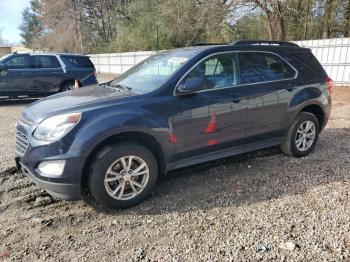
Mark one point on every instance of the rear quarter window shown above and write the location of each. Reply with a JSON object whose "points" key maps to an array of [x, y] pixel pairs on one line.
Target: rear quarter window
{"points": [[79, 61], [309, 60]]}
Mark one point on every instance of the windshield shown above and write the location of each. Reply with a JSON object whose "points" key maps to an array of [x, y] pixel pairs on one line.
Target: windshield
{"points": [[4, 57], [150, 74]]}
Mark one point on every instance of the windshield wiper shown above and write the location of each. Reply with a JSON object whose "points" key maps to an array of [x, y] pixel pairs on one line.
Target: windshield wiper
{"points": [[117, 86]]}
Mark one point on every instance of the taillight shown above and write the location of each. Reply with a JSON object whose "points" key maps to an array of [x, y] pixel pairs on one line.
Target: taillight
{"points": [[95, 74], [330, 85]]}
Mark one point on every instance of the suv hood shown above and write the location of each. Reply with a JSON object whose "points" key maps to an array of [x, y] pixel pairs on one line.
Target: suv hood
{"points": [[74, 101]]}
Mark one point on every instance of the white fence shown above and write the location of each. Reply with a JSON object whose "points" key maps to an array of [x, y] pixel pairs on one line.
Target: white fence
{"points": [[334, 55], [117, 63]]}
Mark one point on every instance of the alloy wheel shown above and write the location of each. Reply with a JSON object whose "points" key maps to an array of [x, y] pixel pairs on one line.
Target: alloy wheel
{"points": [[305, 136], [126, 177]]}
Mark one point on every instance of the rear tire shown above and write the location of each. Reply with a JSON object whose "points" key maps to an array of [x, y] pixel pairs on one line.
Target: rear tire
{"points": [[68, 86], [122, 175], [302, 135]]}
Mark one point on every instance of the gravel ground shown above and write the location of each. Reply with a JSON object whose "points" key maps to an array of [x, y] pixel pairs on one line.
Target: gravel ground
{"points": [[259, 206]]}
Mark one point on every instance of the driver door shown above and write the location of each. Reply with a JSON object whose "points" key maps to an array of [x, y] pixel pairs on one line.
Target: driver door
{"points": [[16, 78], [214, 117]]}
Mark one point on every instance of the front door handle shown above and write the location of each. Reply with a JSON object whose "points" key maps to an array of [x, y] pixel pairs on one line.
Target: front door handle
{"points": [[236, 99]]}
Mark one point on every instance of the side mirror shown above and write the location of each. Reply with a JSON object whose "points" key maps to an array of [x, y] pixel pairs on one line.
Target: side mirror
{"points": [[191, 85]]}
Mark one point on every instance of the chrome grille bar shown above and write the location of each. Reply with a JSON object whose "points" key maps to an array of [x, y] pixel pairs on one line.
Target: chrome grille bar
{"points": [[22, 143]]}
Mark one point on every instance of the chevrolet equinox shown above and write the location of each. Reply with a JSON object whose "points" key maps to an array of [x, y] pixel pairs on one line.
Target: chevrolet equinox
{"points": [[175, 109]]}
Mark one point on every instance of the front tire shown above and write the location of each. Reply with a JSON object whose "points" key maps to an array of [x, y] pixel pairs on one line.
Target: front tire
{"points": [[302, 136], [122, 175]]}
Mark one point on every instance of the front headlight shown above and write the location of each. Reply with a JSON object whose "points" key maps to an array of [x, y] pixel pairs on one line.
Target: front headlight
{"points": [[55, 127]]}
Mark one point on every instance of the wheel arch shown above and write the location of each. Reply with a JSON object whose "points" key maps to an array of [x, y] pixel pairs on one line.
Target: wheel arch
{"points": [[317, 111], [65, 82], [139, 137]]}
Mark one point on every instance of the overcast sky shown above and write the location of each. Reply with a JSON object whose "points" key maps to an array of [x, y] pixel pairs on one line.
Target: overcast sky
{"points": [[10, 19]]}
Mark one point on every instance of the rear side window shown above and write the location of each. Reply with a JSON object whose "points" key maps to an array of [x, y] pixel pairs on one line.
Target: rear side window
{"points": [[79, 61], [218, 71], [18, 62], [256, 67], [45, 62]]}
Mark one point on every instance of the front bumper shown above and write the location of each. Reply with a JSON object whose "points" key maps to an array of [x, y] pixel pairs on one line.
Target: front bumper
{"points": [[30, 153], [64, 191]]}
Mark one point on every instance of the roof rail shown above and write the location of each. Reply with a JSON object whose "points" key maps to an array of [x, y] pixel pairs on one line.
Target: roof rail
{"points": [[203, 44], [263, 42]]}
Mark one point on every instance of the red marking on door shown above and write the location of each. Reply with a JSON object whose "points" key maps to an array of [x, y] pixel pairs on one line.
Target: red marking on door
{"points": [[172, 138], [212, 142], [211, 128]]}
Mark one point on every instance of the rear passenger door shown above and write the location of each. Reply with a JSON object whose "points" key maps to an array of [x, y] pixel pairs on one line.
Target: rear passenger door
{"points": [[270, 83], [47, 74]]}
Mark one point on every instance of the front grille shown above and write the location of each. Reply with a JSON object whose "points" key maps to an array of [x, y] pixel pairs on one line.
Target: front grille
{"points": [[21, 143]]}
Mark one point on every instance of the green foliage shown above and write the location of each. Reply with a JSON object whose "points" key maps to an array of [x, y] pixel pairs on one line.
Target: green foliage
{"points": [[130, 25], [31, 27]]}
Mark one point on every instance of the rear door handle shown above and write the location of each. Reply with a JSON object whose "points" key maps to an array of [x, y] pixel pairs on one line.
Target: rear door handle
{"points": [[236, 99]]}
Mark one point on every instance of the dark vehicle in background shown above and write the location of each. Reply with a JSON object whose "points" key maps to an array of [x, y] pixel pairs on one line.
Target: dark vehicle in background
{"points": [[38, 74], [175, 109]]}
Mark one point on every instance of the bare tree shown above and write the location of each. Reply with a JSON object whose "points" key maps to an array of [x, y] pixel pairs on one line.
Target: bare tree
{"points": [[327, 19], [347, 20], [103, 16], [273, 10]]}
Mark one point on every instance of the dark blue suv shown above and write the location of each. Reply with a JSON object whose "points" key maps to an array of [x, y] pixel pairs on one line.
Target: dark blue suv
{"points": [[175, 109], [39, 74]]}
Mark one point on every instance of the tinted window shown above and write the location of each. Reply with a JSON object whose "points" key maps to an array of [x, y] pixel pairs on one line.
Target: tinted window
{"points": [[45, 62], [217, 71], [79, 61], [258, 67], [18, 62], [308, 59]]}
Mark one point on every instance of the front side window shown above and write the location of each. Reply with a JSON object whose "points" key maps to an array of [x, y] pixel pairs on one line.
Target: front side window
{"points": [[45, 62], [217, 71], [18, 62], [256, 67]]}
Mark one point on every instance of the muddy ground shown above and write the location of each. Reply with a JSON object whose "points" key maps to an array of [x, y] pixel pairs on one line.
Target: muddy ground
{"points": [[259, 206]]}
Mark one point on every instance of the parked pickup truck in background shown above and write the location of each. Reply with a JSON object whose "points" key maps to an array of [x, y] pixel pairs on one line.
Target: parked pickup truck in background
{"points": [[41, 74]]}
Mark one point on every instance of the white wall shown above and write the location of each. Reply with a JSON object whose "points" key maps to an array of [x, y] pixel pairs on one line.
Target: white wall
{"points": [[334, 55]]}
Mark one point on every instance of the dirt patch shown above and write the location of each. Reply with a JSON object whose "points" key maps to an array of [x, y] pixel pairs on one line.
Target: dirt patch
{"points": [[259, 206]]}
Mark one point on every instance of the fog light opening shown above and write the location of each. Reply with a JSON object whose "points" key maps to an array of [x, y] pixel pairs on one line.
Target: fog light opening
{"points": [[52, 168]]}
